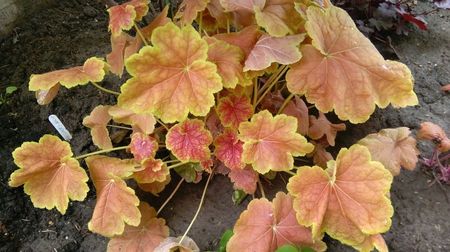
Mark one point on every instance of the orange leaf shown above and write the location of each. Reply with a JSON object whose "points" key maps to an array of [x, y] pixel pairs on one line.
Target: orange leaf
{"points": [[435, 133], [271, 142], [278, 17], [121, 17], [321, 126], [229, 149], [348, 200], [233, 110], [92, 70], [155, 187], [155, 170], [188, 10], [145, 237], [228, 60], [320, 155], [123, 46], [172, 77], [189, 141], [143, 146], [394, 148], [244, 39], [244, 179], [269, 49], [158, 21], [44, 97], [141, 7], [49, 173], [144, 122], [360, 78], [217, 11], [97, 121], [298, 109], [236, 5], [116, 202], [266, 226]]}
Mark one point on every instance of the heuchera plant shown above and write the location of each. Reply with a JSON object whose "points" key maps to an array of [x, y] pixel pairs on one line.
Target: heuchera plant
{"points": [[241, 88]]}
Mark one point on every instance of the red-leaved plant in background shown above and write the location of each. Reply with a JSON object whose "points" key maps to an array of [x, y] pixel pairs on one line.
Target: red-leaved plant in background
{"points": [[236, 87]]}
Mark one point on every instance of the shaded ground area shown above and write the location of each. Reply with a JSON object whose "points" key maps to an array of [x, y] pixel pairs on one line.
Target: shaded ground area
{"points": [[71, 31]]}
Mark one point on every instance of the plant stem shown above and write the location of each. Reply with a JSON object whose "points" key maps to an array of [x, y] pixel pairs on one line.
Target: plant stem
{"points": [[269, 81], [272, 83], [176, 165], [255, 93], [286, 101], [198, 209], [119, 127], [228, 25], [162, 124], [102, 151], [138, 31], [200, 23], [172, 161], [170, 196], [291, 173], [261, 188], [105, 89]]}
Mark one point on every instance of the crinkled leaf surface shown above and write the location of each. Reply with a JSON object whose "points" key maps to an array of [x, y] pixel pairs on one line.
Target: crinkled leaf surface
{"points": [[189, 141], [97, 121], [141, 122], [143, 146], [320, 127], [342, 69], [116, 202], [244, 179], [283, 50], [49, 173], [153, 170], [234, 109], [93, 70], [172, 77], [229, 149], [278, 17], [228, 60], [266, 225], [145, 237], [271, 142], [298, 109], [188, 10], [394, 148], [348, 200], [435, 133]]}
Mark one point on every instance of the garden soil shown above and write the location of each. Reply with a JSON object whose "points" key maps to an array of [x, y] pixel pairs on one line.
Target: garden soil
{"points": [[67, 33]]}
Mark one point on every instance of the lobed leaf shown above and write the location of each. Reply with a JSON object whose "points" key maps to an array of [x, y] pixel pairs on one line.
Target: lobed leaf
{"points": [[143, 146], [49, 173], [271, 142], [360, 77], [97, 121], [154, 170], [141, 122], [244, 179], [348, 200], [121, 17], [158, 21], [298, 109], [234, 109], [394, 148], [244, 39], [155, 187], [122, 47], [172, 78], [320, 127], [229, 149], [278, 17], [188, 10], [435, 133]]}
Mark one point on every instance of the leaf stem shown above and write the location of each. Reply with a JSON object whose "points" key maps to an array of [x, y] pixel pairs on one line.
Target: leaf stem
{"points": [[255, 93], [286, 101], [228, 25], [200, 23], [162, 124], [105, 89], [261, 188], [291, 173], [198, 209], [138, 31], [102, 151], [272, 83], [170, 196], [176, 165], [119, 127]]}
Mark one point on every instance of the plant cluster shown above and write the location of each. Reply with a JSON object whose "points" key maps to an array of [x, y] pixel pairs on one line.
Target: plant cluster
{"points": [[239, 88]]}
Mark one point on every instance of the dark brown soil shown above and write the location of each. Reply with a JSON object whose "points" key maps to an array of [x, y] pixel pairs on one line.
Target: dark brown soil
{"points": [[73, 30]]}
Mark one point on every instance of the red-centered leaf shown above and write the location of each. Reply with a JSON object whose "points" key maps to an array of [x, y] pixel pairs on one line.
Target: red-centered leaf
{"points": [[44, 97], [172, 78], [158, 21], [229, 149], [320, 127], [122, 47], [189, 141], [244, 179], [279, 17], [188, 10], [360, 78], [97, 121], [270, 143], [298, 109], [144, 122], [269, 49], [93, 70], [233, 110], [348, 200], [228, 59], [49, 173], [116, 202], [244, 39], [442, 4], [154, 170], [121, 17], [435, 133], [236, 5], [394, 148], [155, 187], [143, 146], [266, 226], [145, 237]]}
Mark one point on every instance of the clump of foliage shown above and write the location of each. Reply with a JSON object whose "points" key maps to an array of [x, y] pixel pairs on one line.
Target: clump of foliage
{"points": [[239, 88]]}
